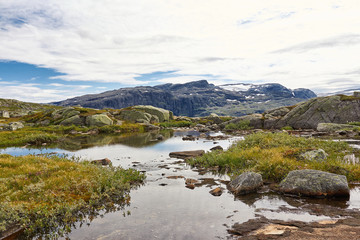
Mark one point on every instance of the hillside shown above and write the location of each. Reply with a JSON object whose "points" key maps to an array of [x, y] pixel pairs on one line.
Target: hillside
{"points": [[197, 98]]}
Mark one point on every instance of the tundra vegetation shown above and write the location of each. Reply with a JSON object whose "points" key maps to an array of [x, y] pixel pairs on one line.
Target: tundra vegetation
{"points": [[47, 194], [274, 155]]}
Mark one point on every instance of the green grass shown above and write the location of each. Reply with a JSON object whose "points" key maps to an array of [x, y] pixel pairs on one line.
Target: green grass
{"points": [[242, 125], [176, 124], [46, 195], [275, 155], [56, 133]]}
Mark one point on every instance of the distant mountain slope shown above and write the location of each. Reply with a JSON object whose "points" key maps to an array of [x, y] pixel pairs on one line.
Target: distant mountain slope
{"points": [[197, 98]]}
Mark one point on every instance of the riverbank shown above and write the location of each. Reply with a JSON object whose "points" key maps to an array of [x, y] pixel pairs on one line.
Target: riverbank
{"points": [[46, 195]]}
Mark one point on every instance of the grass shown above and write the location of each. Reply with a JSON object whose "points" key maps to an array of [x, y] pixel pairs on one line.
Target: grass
{"points": [[57, 133], [176, 124], [47, 194], [274, 155], [241, 125]]}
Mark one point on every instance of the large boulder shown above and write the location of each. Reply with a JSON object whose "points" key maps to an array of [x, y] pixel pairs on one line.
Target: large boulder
{"points": [[247, 182], [98, 120], [332, 109], [162, 114], [314, 183], [74, 120], [134, 116], [333, 127]]}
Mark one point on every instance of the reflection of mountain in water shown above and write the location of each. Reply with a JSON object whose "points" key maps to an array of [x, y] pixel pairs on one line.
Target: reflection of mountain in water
{"points": [[131, 140]]}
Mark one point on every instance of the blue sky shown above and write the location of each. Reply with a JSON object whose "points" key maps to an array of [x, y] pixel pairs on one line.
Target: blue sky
{"points": [[52, 50]]}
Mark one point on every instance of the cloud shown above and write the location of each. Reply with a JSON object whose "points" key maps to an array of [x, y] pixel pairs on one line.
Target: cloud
{"points": [[344, 40], [298, 44]]}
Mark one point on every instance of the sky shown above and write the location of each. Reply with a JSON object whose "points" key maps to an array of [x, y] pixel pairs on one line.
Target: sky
{"points": [[51, 50]]}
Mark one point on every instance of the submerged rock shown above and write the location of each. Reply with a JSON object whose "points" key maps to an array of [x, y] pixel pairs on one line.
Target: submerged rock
{"points": [[187, 154], [104, 161], [216, 192], [247, 182], [314, 183]]}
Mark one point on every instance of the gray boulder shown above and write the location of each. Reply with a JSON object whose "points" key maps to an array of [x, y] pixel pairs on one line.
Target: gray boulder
{"points": [[247, 182], [314, 183], [98, 120], [162, 114], [74, 120], [318, 155], [4, 114], [15, 126], [332, 109]]}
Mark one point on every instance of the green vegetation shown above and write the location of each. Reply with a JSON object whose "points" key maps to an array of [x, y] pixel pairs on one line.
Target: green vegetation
{"points": [[176, 124], [57, 133], [289, 128], [275, 155], [354, 123], [348, 98], [241, 125], [47, 194]]}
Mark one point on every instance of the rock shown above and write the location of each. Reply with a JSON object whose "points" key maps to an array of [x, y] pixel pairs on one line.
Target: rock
{"points": [[315, 155], [214, 118], [190, 183], [204, 129], [217, 148], [351, 159], [160, 137], [15, 126], [314, 183], [74, 120], [161, 114], [356, 94], [98, 120], [103, 162], [149, 127], [332, 109], [189, 138], [333, 127], [4, 114], [187, 154], [134, 116], [45, 122], [247, 182], [216, 192]]}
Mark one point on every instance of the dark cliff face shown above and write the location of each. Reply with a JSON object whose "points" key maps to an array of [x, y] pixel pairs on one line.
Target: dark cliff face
{"points": [[189, 99]]}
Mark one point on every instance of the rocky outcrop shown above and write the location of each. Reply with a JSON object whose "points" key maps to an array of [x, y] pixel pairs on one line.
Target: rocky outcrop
{"points": [[4, 114], [333, 109], [74, 120], [98, 120], [314, 183], [144, 114], [245, 183], [197, 98]]}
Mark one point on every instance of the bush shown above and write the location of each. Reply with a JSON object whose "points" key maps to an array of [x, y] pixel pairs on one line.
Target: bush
{"points": [[242, 125]]}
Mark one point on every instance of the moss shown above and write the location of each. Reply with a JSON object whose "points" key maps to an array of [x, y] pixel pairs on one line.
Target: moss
{"points": [[348, 98], [48, 194], [275, 155]]}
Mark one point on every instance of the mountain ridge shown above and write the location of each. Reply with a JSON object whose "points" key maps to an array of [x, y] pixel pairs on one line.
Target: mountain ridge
{"points": [[197, 98]]}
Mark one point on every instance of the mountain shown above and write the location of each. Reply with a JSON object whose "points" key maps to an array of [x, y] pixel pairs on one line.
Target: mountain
{"points": [[198, 98]]}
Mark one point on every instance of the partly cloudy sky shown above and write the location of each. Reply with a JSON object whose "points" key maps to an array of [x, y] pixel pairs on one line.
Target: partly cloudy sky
{"points": [[55, 49]]}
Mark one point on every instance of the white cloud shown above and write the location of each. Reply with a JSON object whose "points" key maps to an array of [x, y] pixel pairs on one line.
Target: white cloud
{"points": [[295, 43]]}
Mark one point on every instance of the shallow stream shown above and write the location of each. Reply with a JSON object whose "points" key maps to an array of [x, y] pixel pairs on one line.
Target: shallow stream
{"points": [[163, 208]]}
